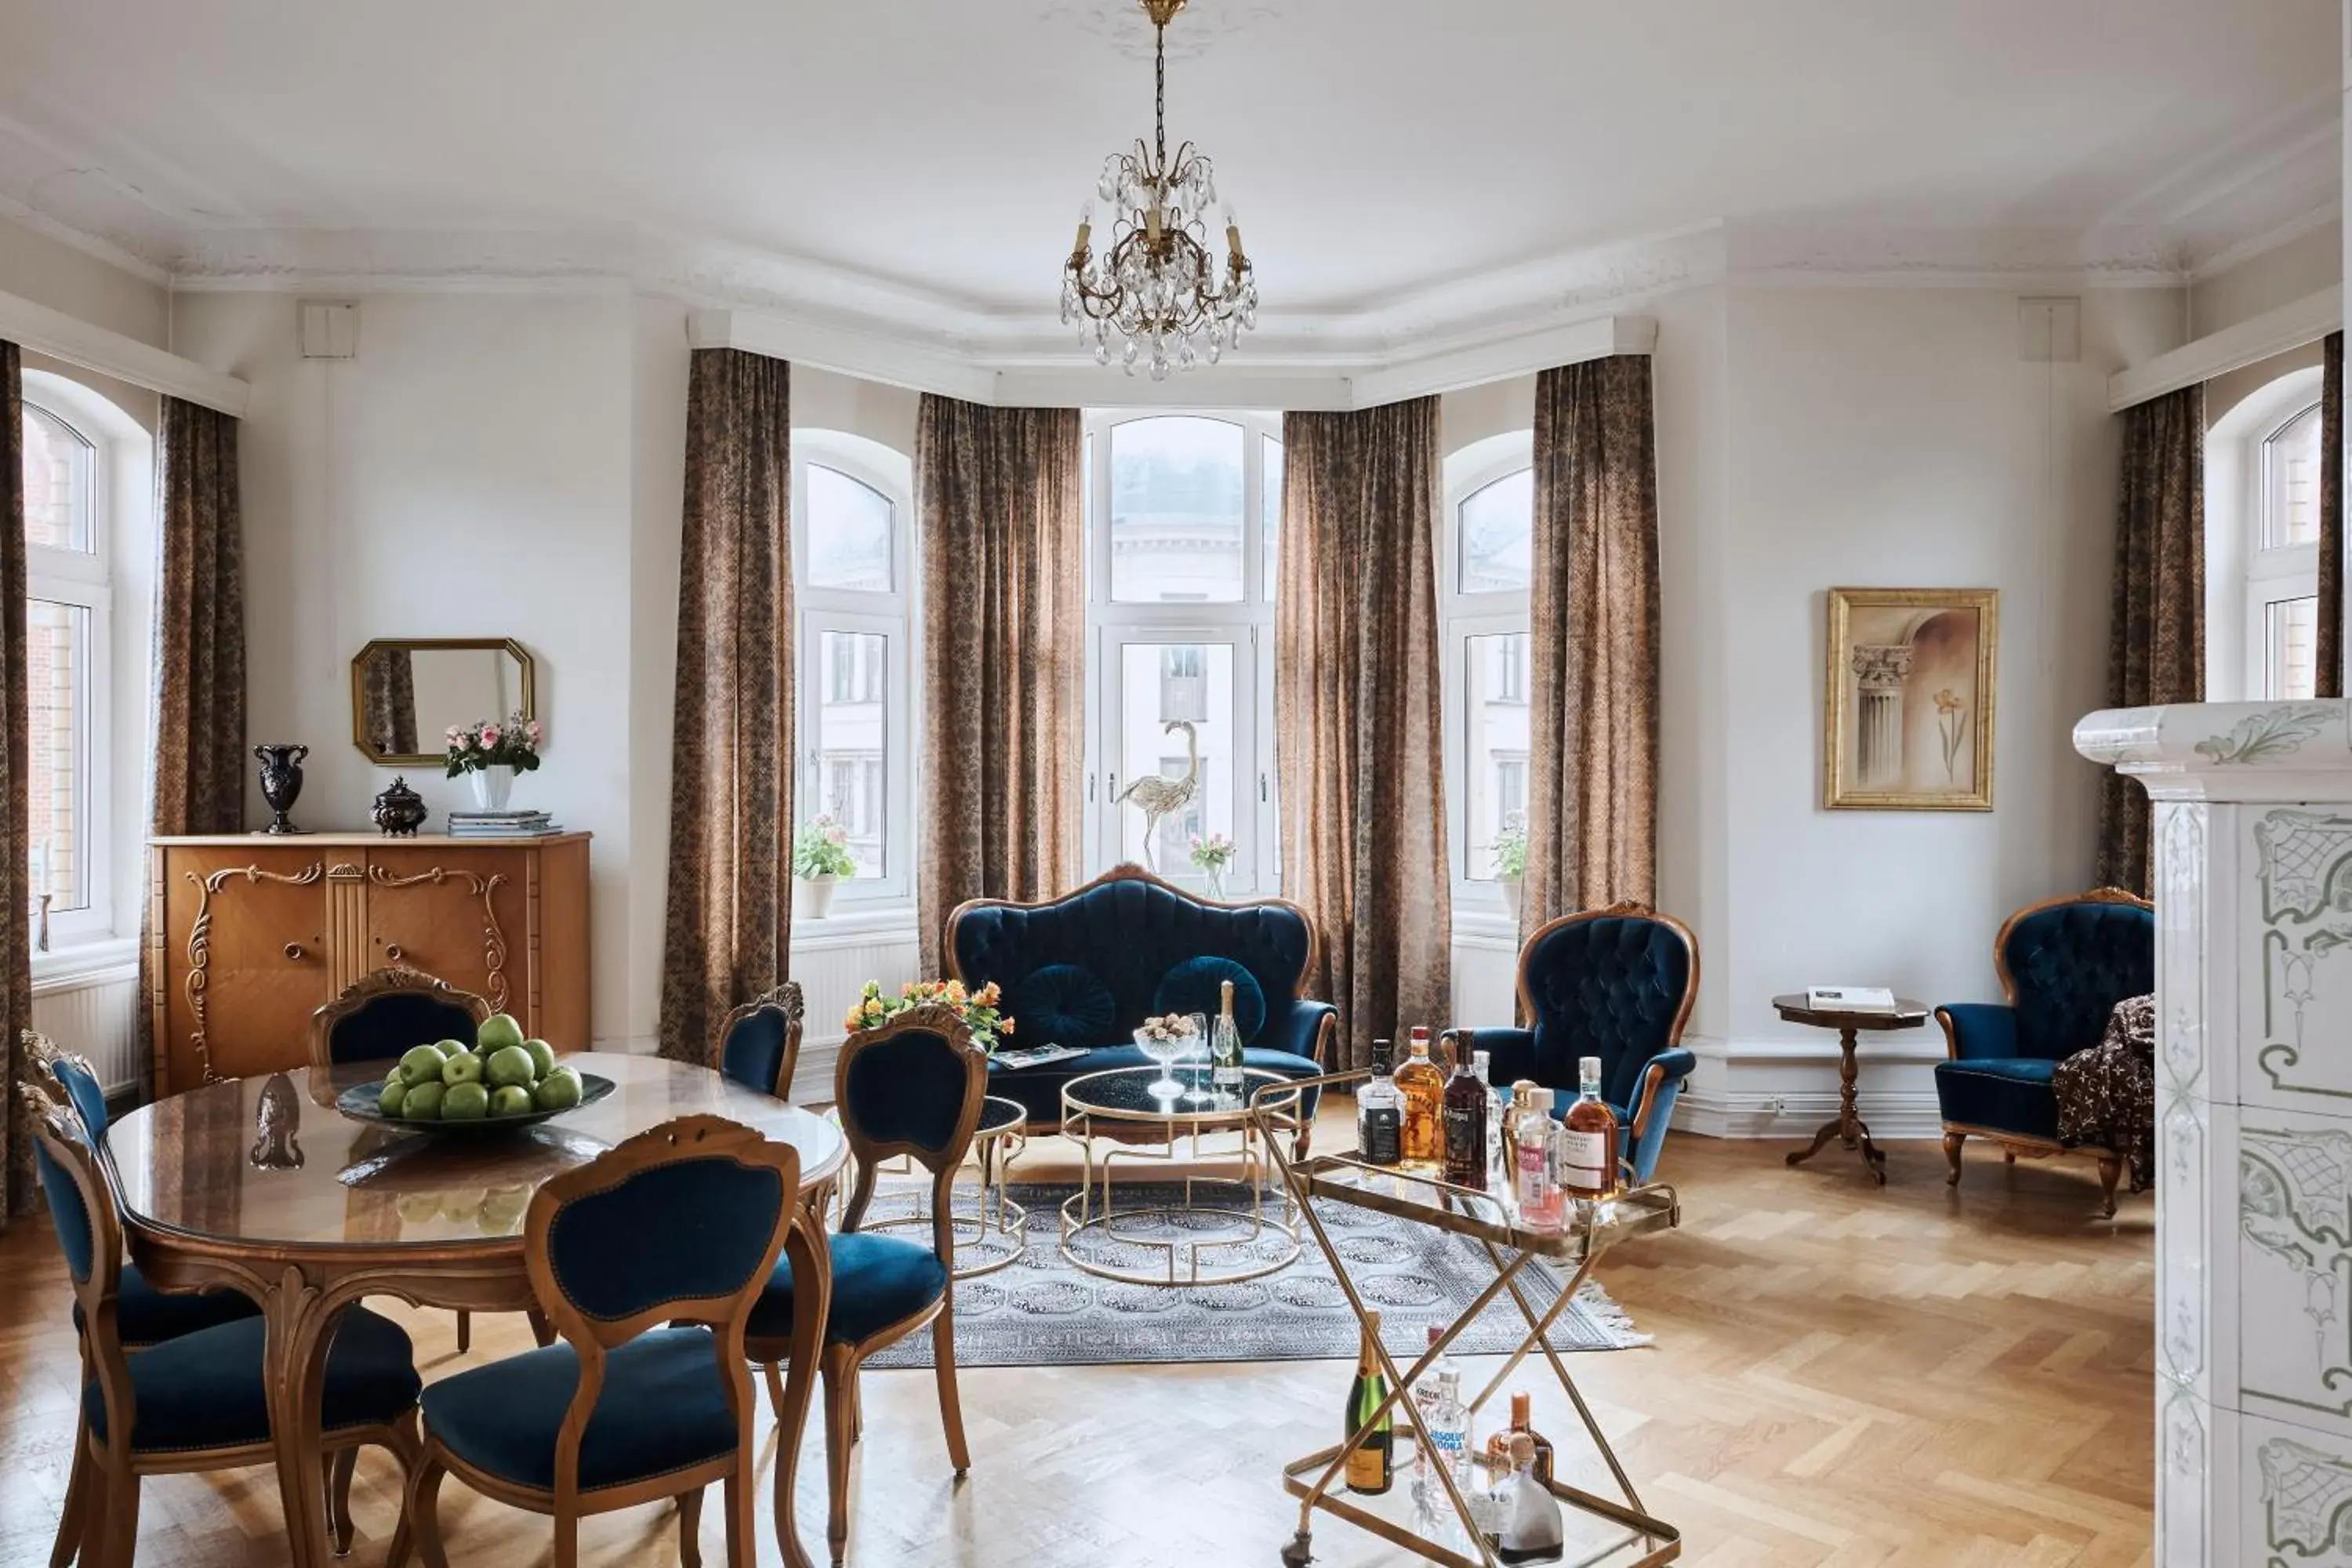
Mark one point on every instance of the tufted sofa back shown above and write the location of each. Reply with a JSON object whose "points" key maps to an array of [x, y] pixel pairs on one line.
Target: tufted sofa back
{"points": [[1612, 986], [2066, 965], [1127, 931]]}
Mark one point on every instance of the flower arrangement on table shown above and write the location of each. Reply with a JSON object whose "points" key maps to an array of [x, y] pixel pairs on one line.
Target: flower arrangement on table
{"points": [[1213, 854], [509, 742], [978, 1009], [821, 849]]}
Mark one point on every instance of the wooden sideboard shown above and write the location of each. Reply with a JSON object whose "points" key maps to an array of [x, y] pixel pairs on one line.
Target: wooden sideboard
{"points": [[249, 934]]}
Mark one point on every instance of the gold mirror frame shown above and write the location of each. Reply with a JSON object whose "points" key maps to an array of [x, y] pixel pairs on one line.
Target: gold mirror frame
{"points": [[528, 687]]}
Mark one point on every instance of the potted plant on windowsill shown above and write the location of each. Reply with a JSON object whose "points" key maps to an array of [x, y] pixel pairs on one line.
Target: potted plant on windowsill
{"points": [[1510, 855], [489, 752], [820, 859]]}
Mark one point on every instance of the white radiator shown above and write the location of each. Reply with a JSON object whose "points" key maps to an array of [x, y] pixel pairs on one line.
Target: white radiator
{"points": [[96, 1014], [833, 967]]}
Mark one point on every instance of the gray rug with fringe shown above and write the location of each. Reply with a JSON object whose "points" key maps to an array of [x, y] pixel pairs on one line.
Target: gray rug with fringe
{"points": [[1040, 1311]]}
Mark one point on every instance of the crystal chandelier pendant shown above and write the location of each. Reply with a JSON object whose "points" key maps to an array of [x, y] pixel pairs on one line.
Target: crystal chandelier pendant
{"points": [[1161, 285]]}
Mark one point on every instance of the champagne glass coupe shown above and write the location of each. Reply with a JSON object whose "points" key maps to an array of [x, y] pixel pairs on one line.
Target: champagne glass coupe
{"points": [[1165, 1050], [1196, 1061]]}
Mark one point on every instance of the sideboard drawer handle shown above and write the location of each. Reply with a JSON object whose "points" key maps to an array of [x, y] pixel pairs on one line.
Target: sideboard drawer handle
{"points": [[394, 952], [294, 950]]}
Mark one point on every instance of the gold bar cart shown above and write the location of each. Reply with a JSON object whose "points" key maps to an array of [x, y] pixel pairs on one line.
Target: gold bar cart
{"points": [[1639, 1540]]}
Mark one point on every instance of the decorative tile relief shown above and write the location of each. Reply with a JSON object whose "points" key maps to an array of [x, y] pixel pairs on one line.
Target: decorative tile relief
{"points": [[2272, 737], [2294, 1223], [2183, 1235], [2298, 1511], [2302, 922], [2181, 837], [2181, 1468]]}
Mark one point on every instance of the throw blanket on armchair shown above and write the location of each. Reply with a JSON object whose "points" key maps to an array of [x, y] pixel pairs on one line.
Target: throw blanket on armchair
{"points": [[2106, 1093]]}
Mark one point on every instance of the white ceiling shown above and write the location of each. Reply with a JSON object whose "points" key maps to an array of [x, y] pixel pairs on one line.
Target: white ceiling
{"points": [[923, 160]]}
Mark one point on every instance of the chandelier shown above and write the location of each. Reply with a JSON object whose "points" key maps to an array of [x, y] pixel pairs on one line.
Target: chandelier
{"points": [[1157, 288]]}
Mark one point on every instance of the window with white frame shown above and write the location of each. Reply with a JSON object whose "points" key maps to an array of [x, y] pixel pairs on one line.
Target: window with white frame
{"points": [[1182, 511], [853, 519], [69, 633], [2282, 562], [1487, 554]]}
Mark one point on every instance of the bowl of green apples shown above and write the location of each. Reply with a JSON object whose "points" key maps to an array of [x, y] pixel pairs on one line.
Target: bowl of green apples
{"points": [[501, 1083]]}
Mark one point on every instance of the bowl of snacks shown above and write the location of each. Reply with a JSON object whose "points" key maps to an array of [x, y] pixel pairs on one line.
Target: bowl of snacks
{"points": [[501, 1083]]}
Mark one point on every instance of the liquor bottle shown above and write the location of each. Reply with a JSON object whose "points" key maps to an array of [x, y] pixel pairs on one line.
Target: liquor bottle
{"points": [[1225, 1045], [1438, 1398], [1370, 1467], [1589, 1140], [1466, 1126], [1498, 1444], [1380, 1117], [1423, 1087], [1481, 1068], [1537, 1194]]}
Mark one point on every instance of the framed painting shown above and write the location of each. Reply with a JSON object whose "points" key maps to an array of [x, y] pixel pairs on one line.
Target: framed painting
{"points": [[1907, 705]]}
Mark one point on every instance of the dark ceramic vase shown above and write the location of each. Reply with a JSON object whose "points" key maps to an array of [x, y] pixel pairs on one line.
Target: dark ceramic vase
{"points": [[281, 782], [399, 811]]}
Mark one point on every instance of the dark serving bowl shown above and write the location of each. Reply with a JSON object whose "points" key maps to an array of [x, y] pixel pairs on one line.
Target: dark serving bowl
{"points": [[359, 1103]]}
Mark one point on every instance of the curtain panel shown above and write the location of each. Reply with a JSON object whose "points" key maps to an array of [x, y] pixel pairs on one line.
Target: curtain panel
{"points": [[1000, 495], [2156, 634], [1358, 729], [1593, 610], [728, 936], [2329, 650], [17, 1185]]}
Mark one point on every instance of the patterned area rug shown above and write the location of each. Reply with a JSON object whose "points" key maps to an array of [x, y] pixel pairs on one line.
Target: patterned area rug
{"points": [[1043, 1311]]}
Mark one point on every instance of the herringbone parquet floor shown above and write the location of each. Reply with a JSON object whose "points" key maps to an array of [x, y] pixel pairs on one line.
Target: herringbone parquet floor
{"points": [[1844, 1376]]}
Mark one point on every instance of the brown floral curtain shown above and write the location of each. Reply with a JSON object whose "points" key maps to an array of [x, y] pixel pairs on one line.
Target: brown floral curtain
{"points": [[1357, 720], [388, 700], [2155, 636], [199, 728], [17, 828], [729, 933], [1593, 772], [2330, 641], [1000, 495]]}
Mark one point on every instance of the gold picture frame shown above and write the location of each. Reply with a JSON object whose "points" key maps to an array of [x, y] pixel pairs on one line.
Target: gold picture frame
{"points": [[1907, 699]]}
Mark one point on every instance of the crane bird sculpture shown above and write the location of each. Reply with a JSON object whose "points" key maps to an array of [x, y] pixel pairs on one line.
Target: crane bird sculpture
{"points": [[1158, 797]]}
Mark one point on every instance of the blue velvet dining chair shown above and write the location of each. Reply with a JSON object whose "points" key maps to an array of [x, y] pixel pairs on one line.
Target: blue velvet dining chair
{"points": [[647, 1260], [2063, 964], [198, 1401], [913, 1086], [1617, 983], [759, 1046]]}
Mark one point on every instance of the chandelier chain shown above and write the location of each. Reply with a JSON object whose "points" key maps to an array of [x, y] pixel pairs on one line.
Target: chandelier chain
{"points": [[1159, 91]]}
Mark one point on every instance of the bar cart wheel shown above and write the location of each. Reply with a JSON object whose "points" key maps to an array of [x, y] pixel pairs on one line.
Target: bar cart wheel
{"points": [[1295, 1554]]}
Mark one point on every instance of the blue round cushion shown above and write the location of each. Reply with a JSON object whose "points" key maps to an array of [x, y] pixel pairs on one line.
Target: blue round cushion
{"points": [[1063, 1004], [1196, 986]]}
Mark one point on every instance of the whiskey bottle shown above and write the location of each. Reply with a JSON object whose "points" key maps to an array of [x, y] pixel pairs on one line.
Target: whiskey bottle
{"points": [[1589, 1140], [1466, 1126], [1370, 1467], [1225, 1045], [1380, 1118], [1498, 1445], [1423, 1089]]}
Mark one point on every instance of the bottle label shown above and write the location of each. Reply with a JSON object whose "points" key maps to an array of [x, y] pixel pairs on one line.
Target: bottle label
{"points": [[1378, 1137], [1367, 1469], [1466, 1140], [1584, 1161], [1535, 1176]]}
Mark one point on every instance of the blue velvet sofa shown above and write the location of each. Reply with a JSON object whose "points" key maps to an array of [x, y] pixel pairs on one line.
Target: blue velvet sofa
{"points": [[2063, 963], [1617, 983], [1086, 968]]}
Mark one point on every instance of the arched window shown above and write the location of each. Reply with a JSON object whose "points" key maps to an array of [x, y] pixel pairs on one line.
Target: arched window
{"points": [[853, 518], [1489, 525], [2281, 553], [1182, 517]]}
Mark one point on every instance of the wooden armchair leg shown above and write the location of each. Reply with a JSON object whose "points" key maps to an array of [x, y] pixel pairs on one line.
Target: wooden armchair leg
{"points": [[840, 1421], [465, 1332], [2111, 1169], [1952, 1141], [338, 1499], [690, 1526], [72, 1524]]}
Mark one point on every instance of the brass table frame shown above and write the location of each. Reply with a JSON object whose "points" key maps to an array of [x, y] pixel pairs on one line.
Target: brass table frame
{"points": [[1463, 1211], [994, 1149]]}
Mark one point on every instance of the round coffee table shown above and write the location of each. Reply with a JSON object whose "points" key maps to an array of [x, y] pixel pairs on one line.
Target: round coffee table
{"points": [[1210, 1230], [995, 1231], [1849, 1125]]}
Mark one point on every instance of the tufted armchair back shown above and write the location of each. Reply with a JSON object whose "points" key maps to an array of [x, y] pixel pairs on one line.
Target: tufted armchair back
{"points": [[380, 1015], [1089, 967], [1617, 983], [2066, 963]]}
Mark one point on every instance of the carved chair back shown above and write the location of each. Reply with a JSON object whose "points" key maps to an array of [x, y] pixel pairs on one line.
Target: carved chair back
{"points": [[2065, 964], [912, 1086], [1617, 983], [74, 1080], [81, 1208], [759, 1045], [382, 1013]]}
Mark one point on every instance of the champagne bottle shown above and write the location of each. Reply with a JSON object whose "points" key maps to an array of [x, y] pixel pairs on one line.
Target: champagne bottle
{"points": [[1225, 1045], [1589, 1140], [1370, 1467]]}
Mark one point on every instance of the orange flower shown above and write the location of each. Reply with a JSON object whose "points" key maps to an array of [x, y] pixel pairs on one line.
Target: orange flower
{"points": [[1004, 1025]]}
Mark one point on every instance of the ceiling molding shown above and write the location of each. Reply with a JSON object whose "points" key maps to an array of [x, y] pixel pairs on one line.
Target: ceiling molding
{"points": [[2291, 326], [1914, 256], [889, 358], [77, 341]]}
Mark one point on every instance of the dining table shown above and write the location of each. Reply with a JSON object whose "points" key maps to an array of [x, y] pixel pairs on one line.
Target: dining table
{"points": [[260, 1186]]}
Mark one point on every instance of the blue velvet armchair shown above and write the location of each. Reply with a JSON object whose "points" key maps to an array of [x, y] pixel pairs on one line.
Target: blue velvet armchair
{"points": [[1617, 983], [1086, 968], [2063, 963]]}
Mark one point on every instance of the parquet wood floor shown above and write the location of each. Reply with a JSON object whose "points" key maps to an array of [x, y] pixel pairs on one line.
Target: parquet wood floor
{"points": [[1844, 1376]]}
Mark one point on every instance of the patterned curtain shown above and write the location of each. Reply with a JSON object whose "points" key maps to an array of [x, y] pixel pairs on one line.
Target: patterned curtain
{"points": [[1002, 498], [1357, 724], [199, 728], [1592, 774], [2155, 636], [17, 1186], [388, 701], [2330, 641], [729, 935]]}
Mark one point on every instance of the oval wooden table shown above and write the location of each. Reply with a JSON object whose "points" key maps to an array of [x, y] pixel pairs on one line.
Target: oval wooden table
{"points": [[308, 1219]]}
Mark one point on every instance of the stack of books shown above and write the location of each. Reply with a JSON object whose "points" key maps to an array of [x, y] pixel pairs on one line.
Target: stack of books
{"points": [[500, 824]]}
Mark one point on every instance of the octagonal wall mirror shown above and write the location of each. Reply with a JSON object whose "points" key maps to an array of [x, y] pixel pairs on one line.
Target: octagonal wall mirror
{"points": [[407, 691]]}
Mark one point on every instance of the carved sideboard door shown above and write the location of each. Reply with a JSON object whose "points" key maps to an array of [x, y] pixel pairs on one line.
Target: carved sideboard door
{"points": [[456, 916], [250, 930], [2253, 1330]]}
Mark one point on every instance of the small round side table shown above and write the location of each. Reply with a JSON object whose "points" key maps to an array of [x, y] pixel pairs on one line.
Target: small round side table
{"points": [[1849, 1127]]}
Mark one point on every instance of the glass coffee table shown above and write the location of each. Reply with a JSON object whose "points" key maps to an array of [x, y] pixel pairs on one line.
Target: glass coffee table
{"points": [[1182, 1229], [993, 1232]]}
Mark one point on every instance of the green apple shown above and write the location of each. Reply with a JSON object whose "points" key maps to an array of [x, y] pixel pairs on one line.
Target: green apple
{"points": [[559, 1090], [466, 1101], [421, 1063], [417, 1208], [509, 1064], [542, 1056], [423, 1101], [510, 1099], [496, 1032], [462, 1068], [451, 1047], [388, 1099]]}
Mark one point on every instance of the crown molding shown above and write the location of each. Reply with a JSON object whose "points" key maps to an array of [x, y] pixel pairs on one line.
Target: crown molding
{"points": [[1916, 257], [2257, 338], [77, 341]]}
